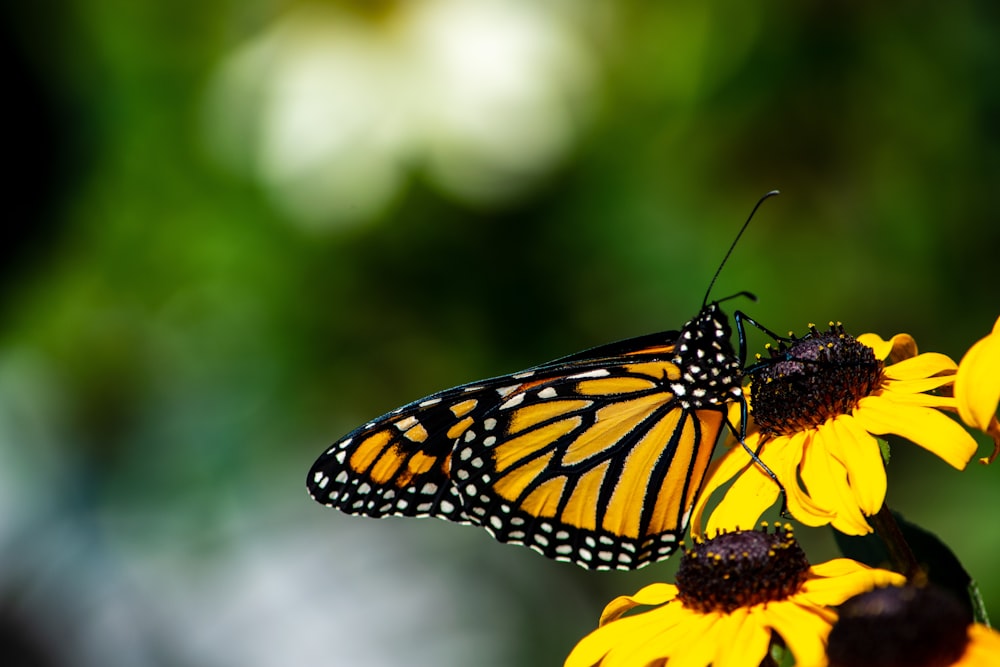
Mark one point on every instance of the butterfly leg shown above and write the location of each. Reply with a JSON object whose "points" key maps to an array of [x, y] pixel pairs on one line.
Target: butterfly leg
{"points": [[740, 434], [742, 319]]}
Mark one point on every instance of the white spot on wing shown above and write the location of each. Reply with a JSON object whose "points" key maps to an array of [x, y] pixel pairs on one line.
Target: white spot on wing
{"points": [[516, 400], [404, 424], [596, 373]]}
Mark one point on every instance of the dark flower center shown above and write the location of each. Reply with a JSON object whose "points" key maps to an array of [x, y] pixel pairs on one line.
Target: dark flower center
{"points": [[741, 569], [900, 627], [811, 379]]}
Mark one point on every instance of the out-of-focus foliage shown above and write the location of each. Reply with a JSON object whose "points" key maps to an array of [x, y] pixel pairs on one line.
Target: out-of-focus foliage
{"points": [[237, 230]]}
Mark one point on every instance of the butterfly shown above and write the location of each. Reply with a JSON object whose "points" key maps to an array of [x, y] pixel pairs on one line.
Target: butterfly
{"points": [[596, 458]]}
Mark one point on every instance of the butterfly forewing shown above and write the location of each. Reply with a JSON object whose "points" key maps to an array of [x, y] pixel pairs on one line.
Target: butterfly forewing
{"points": [[401, 463], [596, 458]]}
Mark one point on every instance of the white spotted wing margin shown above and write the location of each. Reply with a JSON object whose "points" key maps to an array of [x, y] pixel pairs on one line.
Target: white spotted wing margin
{"points": [[594, 459]]}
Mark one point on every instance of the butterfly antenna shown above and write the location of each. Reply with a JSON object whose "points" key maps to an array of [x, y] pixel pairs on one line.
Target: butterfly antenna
{"points": [[733, 246]]}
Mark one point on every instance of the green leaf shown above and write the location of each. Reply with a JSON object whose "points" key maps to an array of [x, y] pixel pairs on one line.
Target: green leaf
{"points": [[884, 449]]}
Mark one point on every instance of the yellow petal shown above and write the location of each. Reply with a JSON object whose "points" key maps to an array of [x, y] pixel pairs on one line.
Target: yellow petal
{"points": [[838, 567], [593, 648], [858, 451], [916, 386], [926, 400], [691, 627], [826, 479], [804, 631], [745, 640], [881, 347], [837, 580], [921, 367], [698, 646], [977, 386], [723, 469], [926, 427], [749, 496], [983, 649], [899, 347], [800, 503], [654, 594]]}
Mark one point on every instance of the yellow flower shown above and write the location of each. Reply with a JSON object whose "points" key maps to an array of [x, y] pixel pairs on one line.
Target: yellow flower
{"points": [[977, 387], [818, 405], [733, 594], [912, 626], [983, 649]]}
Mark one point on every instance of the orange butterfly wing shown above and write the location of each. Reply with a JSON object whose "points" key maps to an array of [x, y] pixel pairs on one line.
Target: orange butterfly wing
{"points": [[596, 458]]}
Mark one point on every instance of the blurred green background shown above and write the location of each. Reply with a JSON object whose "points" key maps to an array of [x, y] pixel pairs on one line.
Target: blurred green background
{"points": [[237, 230]]}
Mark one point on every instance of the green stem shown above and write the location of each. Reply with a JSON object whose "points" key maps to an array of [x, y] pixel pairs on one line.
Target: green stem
{"points": [[900, 554]]}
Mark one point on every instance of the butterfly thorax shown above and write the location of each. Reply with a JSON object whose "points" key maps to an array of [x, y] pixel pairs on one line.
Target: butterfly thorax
{"points": [[710, 369]]}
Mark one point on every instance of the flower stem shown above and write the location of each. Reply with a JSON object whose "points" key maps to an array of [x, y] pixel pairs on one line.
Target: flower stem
{"points": [[900, 554]]}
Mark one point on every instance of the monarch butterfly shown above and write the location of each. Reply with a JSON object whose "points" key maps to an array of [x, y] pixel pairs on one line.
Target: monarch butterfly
{"points": [[596, 458]]}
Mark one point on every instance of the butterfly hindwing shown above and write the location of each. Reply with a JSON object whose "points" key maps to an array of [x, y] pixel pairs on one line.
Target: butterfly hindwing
{"points": [[400, 463], [598, 466]]}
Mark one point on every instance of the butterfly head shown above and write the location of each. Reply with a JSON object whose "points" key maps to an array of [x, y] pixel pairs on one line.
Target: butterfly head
{"points": [[710, 369]]}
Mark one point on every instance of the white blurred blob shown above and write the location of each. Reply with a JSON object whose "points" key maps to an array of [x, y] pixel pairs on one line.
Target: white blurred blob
{"points": [[290, 595], [326, 597], [100, 579], [330, 110]]}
